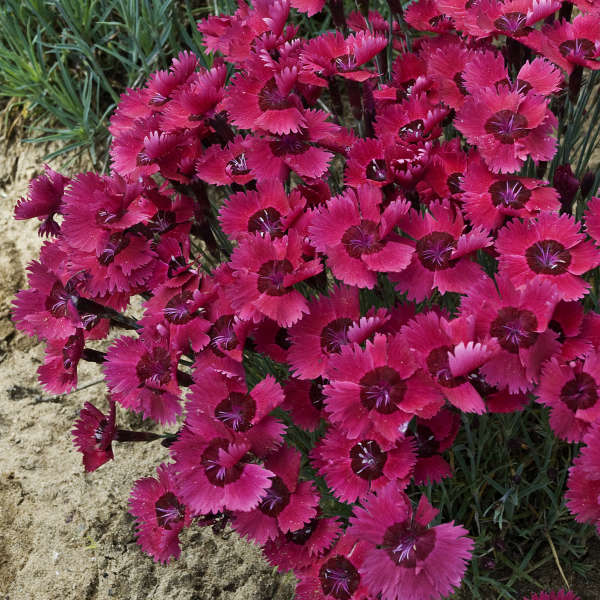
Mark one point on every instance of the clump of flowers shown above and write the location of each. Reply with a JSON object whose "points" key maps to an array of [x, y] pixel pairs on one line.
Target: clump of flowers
{"points": [[343, 246]]}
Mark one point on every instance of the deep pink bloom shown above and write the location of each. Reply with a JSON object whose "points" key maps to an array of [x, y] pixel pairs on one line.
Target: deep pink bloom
{"points": [[354, 468], [377, 389], [448, 352], [592, 219], [443, 251], [310, 7], [489, 199], [550, 248], [271, 340], [575, 332], [517, 318], [288, 504], [358, 238], [583, 493], [571, 392], [142, 377], [559, 595], [507, 127], [58, 374], [425, 15], [322, 332], [408, 560], [93, 435], [224, 166], [264, 273], [160, 514], [44, 201]]}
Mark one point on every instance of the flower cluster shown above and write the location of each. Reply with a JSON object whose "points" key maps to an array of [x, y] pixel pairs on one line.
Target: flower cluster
{"points": [[341, 246]]}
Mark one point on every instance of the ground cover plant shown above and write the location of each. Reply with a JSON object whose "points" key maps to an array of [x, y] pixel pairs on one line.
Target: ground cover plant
{"points": [[368, 260]]}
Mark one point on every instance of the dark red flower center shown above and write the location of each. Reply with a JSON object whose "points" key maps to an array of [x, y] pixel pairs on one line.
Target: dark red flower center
{"points": [[335, 335], [282, 338], [271, 276], [176, 311], [270, 98], [162, 221], [514, 328], [580, 48], [548, 257], [438, 363], [581, 392], [291, 143], [106, 216], [99, 433], [513, 23], [222, 334], [169, 511], [72, 350], [266, 220], [406, 543], [435, 250], [509, 193], [412, 131], [382, 389], [339, 578], [454, 183], [362, 239], [346, 63], [236, 411], [218, 474], [459, 80], [376, 170], [58, 301], [427, 444], [237, 166], [117, 242], [315, 394], [367, 459], [276, 498], [507, 126], [154, 367], [301, 536]]}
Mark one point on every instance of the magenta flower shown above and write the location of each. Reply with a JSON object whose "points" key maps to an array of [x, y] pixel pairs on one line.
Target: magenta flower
{"points": [[358, 237], [160, 514], [583, 485], [507, 127], [288, 504], [142, 377], [224, 166], [44, 201], [549, 248], [93, 435], [304, 400], [408, 560], [571, 392], [377, 389], [592, 219], [354, 468], [58, 374], [488, 199], [443, 251], [264, 273], [322, 332]]}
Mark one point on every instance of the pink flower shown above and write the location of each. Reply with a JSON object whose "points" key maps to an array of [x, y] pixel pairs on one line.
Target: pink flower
{"points": [[583, 493], [354, 468], [442, 256], [592, 219], [358, 238], [93, 435], [377, 389], [408, 560], [224, 166], [160, 514], [44, 201], [264, 273], [304, 400], [549, 248], [58, 374], [507, 127], [288, 505], [571, 392]]}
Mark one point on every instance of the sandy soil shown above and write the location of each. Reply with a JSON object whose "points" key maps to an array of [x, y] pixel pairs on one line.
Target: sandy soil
{"points": [[65, 534]]}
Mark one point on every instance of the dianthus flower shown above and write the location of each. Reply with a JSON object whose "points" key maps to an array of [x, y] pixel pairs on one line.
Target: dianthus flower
{"points": [[359, 238], [507, 127], [489, 199], [443, 250], [142, 376], [550, 248], [592, 219], [304, 400], [264, 273], [58, 374], [93, 435], [517, 318], [425, 15], [160, 514], [446, 350], [224, 166], [406, 559], [583, 485], [288, 505], [378, 389], [44, 201], [354, 468], [571, 392]]}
